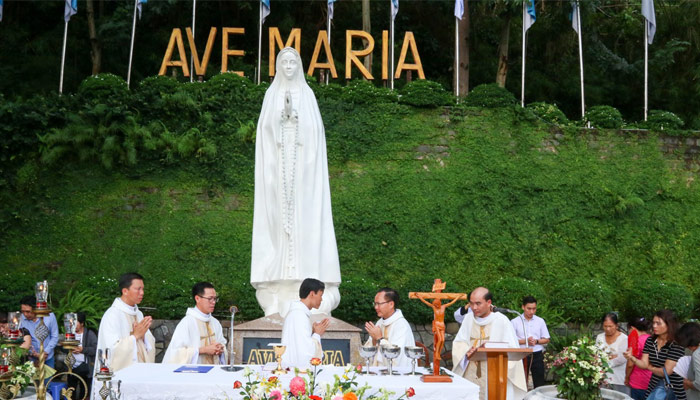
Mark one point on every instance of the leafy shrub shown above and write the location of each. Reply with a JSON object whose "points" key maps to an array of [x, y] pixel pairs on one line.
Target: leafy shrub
{"points": [[82, 301], [549, 112], [509, 292], [155, 86], [99, 133], [104, 88], [425, 93], [364, 92], [605, 117], [659, 119], [490, 96], [647, 297], [583, 300]]}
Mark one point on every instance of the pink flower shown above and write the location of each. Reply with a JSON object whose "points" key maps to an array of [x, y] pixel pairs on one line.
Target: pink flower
{"points": [[297, 386], [358, 368], [275, 395], [338, 398]]}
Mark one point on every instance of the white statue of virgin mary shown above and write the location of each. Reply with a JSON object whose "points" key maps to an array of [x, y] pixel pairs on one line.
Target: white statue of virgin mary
{"points": [[293, 235]]}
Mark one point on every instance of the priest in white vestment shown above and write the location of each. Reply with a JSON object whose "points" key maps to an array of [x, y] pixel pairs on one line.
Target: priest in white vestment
{"points": [[124, 330], [480, 326], [198, 338], [392, 328], [302, 338]]}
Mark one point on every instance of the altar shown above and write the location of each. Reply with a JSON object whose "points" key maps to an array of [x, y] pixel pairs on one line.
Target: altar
{"points": [[160, 382]]}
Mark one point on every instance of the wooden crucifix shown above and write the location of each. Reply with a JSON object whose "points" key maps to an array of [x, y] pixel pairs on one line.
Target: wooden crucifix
{"points": [[438, 323]]}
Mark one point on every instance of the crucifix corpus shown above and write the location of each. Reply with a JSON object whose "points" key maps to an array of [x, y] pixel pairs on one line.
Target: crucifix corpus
{"points": [[438, 323]]}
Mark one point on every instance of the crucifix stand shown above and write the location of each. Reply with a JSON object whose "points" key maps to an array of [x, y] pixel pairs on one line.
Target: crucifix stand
{"points": [[438, 323]]}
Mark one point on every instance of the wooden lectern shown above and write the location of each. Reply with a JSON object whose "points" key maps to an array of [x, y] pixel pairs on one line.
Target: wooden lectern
{"points": [[497, 361]]}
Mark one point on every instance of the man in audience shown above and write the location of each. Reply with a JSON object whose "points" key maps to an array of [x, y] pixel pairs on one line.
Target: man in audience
{"points": [[198, 338], [391, 329], [531, 331], [30, 321]]}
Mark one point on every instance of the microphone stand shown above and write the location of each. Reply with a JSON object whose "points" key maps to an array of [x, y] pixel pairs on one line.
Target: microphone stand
{"points": [[522, 319], [230, 367]]}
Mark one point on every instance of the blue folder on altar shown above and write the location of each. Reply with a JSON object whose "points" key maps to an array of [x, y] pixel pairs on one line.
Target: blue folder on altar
{"points": [[194, 369]]}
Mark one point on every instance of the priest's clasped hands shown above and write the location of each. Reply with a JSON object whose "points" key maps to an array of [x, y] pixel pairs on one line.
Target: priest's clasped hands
{"points": [[140, 328], [321, 326], [214, 349]]}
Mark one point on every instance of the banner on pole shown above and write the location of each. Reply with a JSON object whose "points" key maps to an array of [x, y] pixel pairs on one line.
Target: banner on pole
{"points": [[139, 4], [330, 8], [71, 8], [650, 16], [575, 16], [459, 9], [529, 17], [265, 11], [394, 9]]}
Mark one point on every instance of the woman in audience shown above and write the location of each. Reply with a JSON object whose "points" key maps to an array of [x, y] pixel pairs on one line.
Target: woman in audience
{"points": [[84, 357], [636, 378], [614, 343], [689, 337], [661, 350]]}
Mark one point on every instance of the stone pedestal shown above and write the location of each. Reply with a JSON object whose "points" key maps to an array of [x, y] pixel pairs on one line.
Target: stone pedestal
{"points": [[340, 342]]}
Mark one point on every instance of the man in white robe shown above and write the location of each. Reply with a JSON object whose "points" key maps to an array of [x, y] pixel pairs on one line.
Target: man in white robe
{"points": [[391, 329], [124, 330], [480, 326], [302, 338], [198, 338]]}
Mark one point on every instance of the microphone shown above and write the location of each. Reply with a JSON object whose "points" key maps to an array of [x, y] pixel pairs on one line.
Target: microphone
{"points": [[504, 310], [233, 309]]}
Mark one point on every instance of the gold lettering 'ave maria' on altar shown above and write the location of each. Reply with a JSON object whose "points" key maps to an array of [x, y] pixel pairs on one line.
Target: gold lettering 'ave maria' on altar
{"points": [[264, 356], [352, 57]]}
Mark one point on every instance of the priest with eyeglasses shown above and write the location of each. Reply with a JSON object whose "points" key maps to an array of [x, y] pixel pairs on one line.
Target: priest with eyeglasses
{"points": [[198, 338]]}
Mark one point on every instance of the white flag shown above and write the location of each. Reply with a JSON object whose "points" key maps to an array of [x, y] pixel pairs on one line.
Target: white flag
{"points": [[575, 16], [266, 10], [330, 8], [394, 9], [650, 15], [70, 9], [140, 3], [459, 9], [529, 16]]}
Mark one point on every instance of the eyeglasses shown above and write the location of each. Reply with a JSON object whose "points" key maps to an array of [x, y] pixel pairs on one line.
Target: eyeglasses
{"points": [[211, 299], [379, 304]]}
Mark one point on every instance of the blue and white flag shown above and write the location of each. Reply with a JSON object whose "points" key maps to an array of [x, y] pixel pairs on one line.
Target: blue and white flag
{"points": [[575, 16], [265, 11], [650, 15], [529, 16], [139, 4], [70, 9], [459, 9], [0, 10], [394, 9], [330, 8]]}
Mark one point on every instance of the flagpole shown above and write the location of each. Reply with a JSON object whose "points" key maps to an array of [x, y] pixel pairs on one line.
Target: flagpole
{"points": [[329, 43], [260, 22], [646, 67], [456, 56], [63, 57], [580, 59], [194, 8], [522, 78], [131, 49], [391, 49]]}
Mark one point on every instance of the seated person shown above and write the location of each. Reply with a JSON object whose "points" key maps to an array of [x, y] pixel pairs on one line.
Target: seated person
{"points": [[84, 357]]}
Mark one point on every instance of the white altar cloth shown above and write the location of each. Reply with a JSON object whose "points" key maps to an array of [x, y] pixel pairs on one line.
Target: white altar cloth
{"points": [[159, 382]]}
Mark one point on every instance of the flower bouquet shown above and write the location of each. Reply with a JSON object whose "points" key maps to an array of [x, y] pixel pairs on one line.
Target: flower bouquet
{"points": [[579, 370], [304, 386]]}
